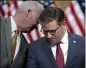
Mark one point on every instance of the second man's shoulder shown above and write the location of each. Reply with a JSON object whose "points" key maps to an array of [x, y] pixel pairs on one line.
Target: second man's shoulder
{"points": [[37, 42]]}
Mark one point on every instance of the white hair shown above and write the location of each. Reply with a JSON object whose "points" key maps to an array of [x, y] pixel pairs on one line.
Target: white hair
{"points": [[30, 5]]}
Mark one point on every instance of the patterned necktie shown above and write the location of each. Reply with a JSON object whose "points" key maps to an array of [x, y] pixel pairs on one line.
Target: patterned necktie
{"points": [[59, 56], [14, 40]]}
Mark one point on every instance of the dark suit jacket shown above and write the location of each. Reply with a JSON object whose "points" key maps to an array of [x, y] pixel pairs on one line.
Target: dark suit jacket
{"points": [[5, 50], [41, 56]]}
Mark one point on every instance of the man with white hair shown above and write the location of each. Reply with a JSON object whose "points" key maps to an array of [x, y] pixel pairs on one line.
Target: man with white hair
{"points": [[14, 54]]}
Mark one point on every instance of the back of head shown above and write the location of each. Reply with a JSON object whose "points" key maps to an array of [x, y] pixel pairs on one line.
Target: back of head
{"points": [[30, 5], [27, 15], [51, 13]]}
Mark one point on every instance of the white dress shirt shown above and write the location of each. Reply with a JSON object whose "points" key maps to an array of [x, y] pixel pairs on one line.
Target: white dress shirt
{"points": [[64, 47], [13, 26]]}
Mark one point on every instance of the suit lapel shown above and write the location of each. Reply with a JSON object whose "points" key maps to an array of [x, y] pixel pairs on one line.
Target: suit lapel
{"points": [[71, 51], [47, 50], [22, 49], [23, 45], [8, 37]]}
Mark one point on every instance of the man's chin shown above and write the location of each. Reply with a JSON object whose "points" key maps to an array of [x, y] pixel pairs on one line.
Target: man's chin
{"points": [[52, 42]]}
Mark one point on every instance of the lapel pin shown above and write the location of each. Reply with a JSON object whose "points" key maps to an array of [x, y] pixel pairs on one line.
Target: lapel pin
{"points": [[74, 41]]}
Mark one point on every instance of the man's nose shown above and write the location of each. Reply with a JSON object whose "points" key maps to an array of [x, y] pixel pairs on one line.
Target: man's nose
{"points": [[49, 35]]}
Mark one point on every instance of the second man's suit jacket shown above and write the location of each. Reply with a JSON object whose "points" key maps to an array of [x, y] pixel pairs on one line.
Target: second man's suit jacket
{"points": [[40, 54], [21, 57]]}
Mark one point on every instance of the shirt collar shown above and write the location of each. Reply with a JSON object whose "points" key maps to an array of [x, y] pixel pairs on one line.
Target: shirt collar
{"points": [[13, 24], [65, 37]]}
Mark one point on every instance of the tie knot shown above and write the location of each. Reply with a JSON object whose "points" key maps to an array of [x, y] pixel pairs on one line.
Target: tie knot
{"points": [[59, 43], [16, 32]]}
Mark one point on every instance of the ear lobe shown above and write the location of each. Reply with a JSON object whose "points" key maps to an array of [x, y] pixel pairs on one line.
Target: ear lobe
{"points": [[27, 12]]}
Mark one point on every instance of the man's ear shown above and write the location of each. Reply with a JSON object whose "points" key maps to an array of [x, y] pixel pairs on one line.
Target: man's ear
{"points": [[27, 12]]}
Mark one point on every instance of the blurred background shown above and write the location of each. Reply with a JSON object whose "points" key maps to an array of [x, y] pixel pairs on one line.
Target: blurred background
{"points": [[74, 14]]}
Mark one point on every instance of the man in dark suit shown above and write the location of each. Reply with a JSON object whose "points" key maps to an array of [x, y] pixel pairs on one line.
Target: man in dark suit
{"points": [[59, 48], [23, 21]]}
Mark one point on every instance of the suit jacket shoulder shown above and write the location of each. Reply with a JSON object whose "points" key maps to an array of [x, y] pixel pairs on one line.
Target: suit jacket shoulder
{"points": [[38, 43], [76, 52], [77, 38]]}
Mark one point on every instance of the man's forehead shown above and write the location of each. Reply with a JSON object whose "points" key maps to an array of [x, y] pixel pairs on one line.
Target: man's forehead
{"points": [[50, 24]]}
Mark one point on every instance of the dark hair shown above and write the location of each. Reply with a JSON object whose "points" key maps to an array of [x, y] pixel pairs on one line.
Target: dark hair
{"points": [[52, 13]]}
